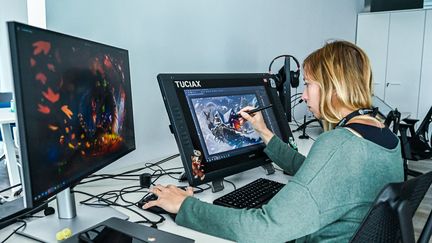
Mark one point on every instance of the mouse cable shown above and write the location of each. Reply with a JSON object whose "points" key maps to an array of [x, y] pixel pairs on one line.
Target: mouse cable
{"points": [[110, 203]]}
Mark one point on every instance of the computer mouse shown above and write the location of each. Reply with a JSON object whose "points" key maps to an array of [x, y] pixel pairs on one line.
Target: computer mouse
{"points": [[154, 209]]}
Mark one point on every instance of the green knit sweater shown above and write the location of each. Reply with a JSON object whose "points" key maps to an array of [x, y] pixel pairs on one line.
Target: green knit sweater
{"points": [[325, 201]]}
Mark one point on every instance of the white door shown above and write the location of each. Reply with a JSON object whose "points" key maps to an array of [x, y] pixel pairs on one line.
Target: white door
{"points": [[372, 37], [404, 60], [425, 99]]}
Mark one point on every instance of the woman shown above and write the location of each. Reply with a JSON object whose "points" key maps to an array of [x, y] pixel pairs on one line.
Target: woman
{"points": [[333, 188]]}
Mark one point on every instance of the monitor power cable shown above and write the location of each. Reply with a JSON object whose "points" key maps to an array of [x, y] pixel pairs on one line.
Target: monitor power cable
{"points": [[98, 177]]}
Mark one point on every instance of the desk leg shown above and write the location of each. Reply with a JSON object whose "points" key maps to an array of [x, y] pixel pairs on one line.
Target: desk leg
{"points": [[11, 161]]}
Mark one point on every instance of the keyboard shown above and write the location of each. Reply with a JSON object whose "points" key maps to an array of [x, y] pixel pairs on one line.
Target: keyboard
{"points": [[252, 195]]}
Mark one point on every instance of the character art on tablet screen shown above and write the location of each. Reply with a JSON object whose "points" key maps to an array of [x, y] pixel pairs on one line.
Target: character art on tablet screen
{"points": [[197, 166], [219, 127]]}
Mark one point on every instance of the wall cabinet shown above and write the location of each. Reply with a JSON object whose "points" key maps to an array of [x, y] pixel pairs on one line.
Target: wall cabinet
{"points": [[425, 98], [396, 43]]}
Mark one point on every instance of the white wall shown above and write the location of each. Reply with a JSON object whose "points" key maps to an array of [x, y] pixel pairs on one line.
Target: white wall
{"points": [[36, 13], [198, 36], [15, 10]]}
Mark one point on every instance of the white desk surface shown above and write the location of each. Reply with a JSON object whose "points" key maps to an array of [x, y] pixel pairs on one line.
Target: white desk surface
{"points": [[169, 225], [6, 116]]}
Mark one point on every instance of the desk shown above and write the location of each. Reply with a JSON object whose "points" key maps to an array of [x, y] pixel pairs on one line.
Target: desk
{"points": [[168, 225], [6, 118]]}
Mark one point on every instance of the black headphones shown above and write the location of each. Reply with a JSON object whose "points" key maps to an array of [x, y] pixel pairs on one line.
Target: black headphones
{"points": [[281, 75], [364, 111]]}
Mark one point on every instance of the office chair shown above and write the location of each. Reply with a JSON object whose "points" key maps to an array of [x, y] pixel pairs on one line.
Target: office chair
{"points": [[416, 146], [390, 218], [392, 120]]}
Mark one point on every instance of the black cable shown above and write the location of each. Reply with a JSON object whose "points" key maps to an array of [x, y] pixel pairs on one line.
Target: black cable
{"points": [[112, 197], [11, 187], [295, 121], [293, 114], [115, 177], [293, 109], [110, 203], [123, 192], [145, 167], [25, 214], [296, 98], [21, 226], [202, 189], [175, 168], [296, 94], [164, 170], [298, 103], [127, 172], [113, 194], [235, 188]]}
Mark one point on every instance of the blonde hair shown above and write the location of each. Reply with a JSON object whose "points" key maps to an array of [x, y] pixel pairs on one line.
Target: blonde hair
{"points": [[342, 71]]}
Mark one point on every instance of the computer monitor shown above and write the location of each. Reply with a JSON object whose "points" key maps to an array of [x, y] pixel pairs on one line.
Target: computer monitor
{"points": [[74, 113], [212, 142]]}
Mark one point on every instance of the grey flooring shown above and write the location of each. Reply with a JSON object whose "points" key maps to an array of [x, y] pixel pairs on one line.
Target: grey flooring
{"points": [[425, 207]]}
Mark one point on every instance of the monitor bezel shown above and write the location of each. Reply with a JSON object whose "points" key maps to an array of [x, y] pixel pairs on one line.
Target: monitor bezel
{"points": [[182, 133], [20, 110]]}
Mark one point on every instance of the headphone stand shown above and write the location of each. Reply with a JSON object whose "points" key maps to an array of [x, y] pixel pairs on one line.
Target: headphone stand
{"points": [[285, 79]]}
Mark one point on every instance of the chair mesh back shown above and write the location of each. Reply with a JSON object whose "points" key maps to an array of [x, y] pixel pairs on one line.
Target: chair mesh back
{"points": [[382, 222], [381, 225], [416, 189]]}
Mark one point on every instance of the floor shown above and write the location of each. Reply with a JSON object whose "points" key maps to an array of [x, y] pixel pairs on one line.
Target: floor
{"points": [[425, 207]]}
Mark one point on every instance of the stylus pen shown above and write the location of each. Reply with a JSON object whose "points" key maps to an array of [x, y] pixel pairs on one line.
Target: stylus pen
{"points": [[255, 110]]}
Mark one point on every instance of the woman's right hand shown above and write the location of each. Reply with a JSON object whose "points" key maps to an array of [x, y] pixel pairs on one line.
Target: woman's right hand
{"points": [[257, 121]]}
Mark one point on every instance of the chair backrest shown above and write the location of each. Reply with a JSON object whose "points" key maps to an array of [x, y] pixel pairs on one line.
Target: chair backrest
{"points": [[394, 117], [414, 147], [390, 217], [423, 129]]}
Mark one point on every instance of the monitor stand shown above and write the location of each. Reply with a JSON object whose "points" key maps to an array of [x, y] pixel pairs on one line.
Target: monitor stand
{"points": [[217, 185], [76, 218]]}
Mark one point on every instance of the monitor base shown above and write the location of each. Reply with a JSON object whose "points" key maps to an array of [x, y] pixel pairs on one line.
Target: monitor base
{"points": [[217, 185], [269, 168], [45, 229]]}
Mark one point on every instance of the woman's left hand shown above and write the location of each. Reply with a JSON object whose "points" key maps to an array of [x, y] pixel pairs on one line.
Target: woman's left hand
{"points": [[170, 197]]}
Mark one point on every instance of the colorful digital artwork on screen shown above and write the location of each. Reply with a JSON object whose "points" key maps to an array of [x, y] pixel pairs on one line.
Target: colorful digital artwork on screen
{"points": [[79, 94], [220, 129]]}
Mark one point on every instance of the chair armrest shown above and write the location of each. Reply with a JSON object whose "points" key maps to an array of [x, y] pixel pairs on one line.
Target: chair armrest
{"points": [[410, 121]]}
